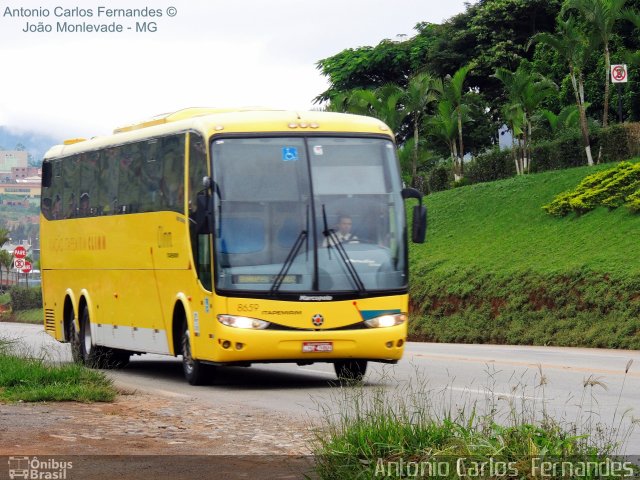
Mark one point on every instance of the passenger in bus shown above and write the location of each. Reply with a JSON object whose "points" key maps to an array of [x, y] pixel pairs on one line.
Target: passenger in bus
{"points": [[56, 209], [342, 232], [71, 206], [85, 210]]}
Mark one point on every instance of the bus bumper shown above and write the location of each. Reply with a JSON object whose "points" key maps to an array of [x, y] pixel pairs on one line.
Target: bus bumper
{"points": [[262, 346]]}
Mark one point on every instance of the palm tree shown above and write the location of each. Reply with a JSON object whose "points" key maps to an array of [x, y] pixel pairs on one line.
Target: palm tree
{"points": [[5, 263], [422, 90], [525, 91], [384, 103], [4, 236], [444, 126], [568, 117], [572, 45], [601, 16], [454, 91]]}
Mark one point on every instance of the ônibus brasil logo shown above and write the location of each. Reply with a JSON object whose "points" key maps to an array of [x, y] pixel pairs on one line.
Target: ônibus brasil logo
{"points": [[33, 468]]}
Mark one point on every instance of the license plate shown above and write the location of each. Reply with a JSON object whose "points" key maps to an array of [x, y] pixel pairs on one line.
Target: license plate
{"points": [[310, 347]]}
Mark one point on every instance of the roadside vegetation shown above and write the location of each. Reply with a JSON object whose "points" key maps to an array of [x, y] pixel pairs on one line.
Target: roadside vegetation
{"points": [[31, 379], [416, 432], [21, 305], [536, 71], [496, 268]]}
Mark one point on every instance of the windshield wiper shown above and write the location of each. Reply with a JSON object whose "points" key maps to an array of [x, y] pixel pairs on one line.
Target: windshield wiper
{"points": [[331, 237], [297, 245], [303, 237]]}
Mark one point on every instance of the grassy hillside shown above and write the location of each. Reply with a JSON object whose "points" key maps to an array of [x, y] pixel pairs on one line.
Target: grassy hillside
{"points": [[497, 268]]}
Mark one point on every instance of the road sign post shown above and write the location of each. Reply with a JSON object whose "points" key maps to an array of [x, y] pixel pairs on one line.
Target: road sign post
{"points": [[26, 270], [619, 76]]}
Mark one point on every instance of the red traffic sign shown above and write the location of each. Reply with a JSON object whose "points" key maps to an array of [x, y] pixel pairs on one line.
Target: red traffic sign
{"points": [[20, 252], [27, 267], [619, 73], [19, 263]]}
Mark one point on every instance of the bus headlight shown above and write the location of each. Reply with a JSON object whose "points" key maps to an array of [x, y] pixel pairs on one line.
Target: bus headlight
{"points": [[386, 320], [242, 322]]}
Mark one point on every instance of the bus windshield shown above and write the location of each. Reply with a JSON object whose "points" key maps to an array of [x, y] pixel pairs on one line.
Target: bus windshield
{"points": [[308, 214]]}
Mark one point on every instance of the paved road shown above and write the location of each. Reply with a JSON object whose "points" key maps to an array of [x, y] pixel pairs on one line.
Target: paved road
{"points": [[446, 375]]}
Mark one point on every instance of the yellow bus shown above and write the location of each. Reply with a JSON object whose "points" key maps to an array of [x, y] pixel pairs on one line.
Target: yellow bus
{"points": [[229, 237]]}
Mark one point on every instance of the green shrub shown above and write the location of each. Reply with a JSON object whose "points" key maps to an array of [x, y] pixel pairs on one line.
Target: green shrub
{"points": [[493, 165], [25, 298], [610, 188], [439, 178], [619, 142]]}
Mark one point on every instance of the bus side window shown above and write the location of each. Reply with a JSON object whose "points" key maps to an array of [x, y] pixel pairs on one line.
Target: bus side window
{"points": [[150, 175], [70, 174], [172, 184], [129, 178], [108, 179], [88, 184]]}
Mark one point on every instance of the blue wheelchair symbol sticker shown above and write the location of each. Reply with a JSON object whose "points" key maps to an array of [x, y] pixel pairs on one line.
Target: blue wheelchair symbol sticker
{"points": [[289, 154]]}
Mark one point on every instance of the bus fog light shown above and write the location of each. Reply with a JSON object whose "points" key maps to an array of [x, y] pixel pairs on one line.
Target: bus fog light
{"points": [[243, 322], [389, 344], [226, 344], [239, 346], [386, 320], [400, 343]]}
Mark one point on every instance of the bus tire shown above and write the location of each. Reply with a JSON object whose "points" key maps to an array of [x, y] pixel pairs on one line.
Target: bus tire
{"points": [[89, 352], [350, 370], [74, 341], [195, 371], [95, 356]]}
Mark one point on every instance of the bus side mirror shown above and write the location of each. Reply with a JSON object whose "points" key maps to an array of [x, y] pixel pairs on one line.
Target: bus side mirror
{"points": [[419, 215], [202, 216], [419, 224]]}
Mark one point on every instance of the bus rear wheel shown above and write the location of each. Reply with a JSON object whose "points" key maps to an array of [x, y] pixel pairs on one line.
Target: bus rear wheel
{"points": [[350, 370], [196, 372], [74, 341], [96, 356]]}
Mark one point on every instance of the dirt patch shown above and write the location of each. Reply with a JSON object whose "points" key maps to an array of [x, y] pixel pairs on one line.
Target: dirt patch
{"points": [[188, 435]]}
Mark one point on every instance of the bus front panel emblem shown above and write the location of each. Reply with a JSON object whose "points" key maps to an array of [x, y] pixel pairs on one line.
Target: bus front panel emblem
{"points": [[317, 320]]}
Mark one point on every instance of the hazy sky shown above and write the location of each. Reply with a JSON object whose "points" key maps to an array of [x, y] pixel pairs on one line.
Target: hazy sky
{"points": [[210, 53]]}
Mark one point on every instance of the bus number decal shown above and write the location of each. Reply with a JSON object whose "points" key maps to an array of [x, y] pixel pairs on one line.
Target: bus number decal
{"points": [[248, 307]]}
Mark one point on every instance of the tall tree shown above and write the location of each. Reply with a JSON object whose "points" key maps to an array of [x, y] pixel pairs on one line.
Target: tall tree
{"points": [[5, 257], [421, 92], [525, 92], [571, 44], [443, 125], [383, 103], [5, 264], [601, 17], [454, 91]]}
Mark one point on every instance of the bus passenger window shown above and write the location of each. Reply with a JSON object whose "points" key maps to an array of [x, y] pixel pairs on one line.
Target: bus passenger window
{"points": [[70, 170], [150, 176], [108, 179], [129, 181], [172, 184]]}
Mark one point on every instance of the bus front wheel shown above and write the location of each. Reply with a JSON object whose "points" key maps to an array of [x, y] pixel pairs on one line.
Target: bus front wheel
{"points": [[350, 370], [195, 371]]}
